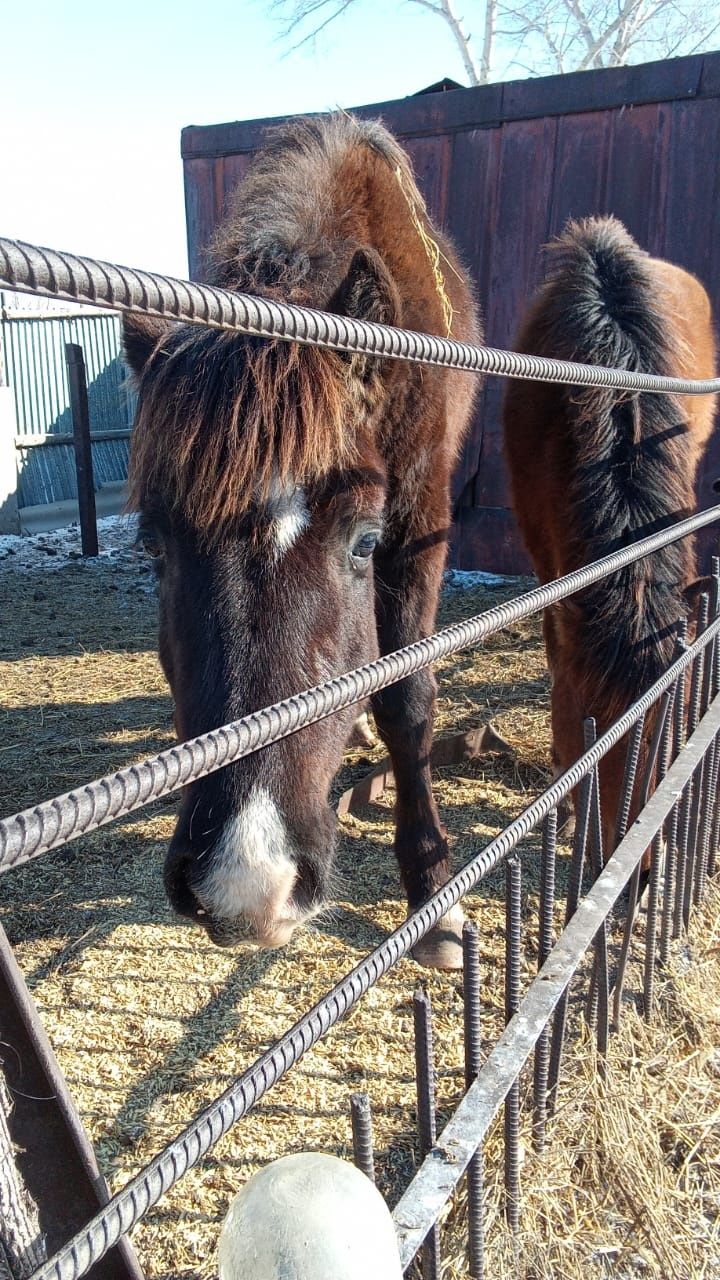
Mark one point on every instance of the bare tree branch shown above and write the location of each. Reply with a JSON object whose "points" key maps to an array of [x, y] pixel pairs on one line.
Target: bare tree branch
{"points": [[560, 35], [303, 9], [476, 75]]}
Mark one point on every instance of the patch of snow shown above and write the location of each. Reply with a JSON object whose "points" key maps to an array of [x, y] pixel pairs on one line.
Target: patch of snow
{"points": [[467, 579], [46, 552]]}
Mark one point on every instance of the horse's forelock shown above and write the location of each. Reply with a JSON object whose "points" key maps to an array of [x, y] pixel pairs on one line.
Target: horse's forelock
{"points": [[223, 419]]}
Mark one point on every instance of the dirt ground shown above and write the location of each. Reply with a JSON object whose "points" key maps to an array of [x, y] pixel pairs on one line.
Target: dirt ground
{"points": [[150, 1020]]}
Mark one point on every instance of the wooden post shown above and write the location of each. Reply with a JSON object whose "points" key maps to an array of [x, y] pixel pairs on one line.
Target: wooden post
{"points": [[22, 1247], [83, 450], [46, 1158]]}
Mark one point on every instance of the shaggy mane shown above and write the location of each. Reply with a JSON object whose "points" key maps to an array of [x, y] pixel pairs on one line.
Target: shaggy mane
{"points": [[631, 475], [222, 417]]}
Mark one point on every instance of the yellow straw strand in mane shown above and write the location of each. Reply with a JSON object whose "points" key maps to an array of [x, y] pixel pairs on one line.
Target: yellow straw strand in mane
{"points": [[432, 249]]}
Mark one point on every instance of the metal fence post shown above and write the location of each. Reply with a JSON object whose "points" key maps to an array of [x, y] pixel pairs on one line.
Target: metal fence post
{"points": [[83, 449]]}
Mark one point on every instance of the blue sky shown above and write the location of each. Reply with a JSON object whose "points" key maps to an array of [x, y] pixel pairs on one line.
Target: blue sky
{"points": [[93, 97]]}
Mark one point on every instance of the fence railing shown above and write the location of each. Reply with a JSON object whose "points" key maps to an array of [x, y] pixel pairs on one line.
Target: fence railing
{"points": [[682, 807], [32, 363]]}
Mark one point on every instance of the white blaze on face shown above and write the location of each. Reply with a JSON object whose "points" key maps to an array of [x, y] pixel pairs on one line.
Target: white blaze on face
{"points": [[289, 516], [252, 872]]}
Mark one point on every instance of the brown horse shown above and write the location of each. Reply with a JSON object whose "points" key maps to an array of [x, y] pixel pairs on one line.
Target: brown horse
{"points": [[593, 470], [296, 503]]}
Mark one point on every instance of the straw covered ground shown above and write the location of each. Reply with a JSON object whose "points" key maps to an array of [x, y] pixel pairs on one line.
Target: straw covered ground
{"points": [[150, 1021]]}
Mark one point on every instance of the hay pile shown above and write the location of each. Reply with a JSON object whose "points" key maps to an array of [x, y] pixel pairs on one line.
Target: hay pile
{"points": [[150, 1021]]}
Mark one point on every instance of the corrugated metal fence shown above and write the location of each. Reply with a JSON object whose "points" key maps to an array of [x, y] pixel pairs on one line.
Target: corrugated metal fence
{"points": [[32, 348]]}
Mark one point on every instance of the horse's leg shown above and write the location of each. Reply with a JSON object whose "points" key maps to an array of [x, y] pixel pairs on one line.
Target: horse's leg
{"points": [[408, 585]]}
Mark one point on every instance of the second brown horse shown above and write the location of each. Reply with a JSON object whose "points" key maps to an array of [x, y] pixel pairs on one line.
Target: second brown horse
{"points": [[594, 470]]}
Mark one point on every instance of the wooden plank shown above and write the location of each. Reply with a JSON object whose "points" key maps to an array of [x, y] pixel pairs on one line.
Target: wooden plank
{"points": [[487, 105], [80, 414], [431, 165], [632, 174], [602, 90], [520, 226], [54, 1156], [470, 220], [693, 214], [580, 168], [488, 538], [200, 210], [661, 193], [234, 170], [692, 234]]}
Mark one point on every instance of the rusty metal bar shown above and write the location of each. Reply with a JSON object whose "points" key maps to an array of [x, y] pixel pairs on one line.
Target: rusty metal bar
{"points": [[54, 822], [513, 939], [628, 785], [133, 1201], [473, 1057], [664, 756], [671, 855], [599, 992], [689, 821], [634, 890], [435, 1181], [582, 823], [361, 1118], [427, 1124], [55, 1156], [31, 268], [545, 942]]}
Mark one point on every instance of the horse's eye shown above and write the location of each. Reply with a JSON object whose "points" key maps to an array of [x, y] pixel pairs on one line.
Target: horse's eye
{"points": [[151, 548], [362, 549]]}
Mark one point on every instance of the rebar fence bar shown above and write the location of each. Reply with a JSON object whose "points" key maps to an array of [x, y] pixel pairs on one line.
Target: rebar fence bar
{"points": [[678, 820], [30, 268], [462, 1138], [55, 822], [133, 1202]]}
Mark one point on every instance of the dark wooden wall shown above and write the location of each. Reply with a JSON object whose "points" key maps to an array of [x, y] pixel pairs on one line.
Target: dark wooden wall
{"points": [[502, 167]]}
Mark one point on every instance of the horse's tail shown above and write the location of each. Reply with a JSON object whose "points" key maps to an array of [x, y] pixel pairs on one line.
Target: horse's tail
{"points": [[630, 472]]}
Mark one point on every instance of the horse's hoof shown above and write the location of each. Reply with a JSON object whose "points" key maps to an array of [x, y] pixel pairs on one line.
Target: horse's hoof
{"points": [[441, 948]]}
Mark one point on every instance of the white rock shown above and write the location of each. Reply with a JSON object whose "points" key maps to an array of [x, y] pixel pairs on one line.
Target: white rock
{"points": [[308, 1217]]}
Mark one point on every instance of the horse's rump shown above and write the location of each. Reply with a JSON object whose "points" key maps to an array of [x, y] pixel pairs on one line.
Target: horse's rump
{"points": [[595, 470]]}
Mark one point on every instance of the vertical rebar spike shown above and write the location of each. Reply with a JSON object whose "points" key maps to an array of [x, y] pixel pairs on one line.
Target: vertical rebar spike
{"points": [[672, 823], [599, 993], [715, 612], [361, 1116], [700, 807], [473, 1049], [557, 1038], [545, 942], [681, 864], [689, 821], [664, 757], [714, 827], [513, 928], [427, 1125], [628, 785], [658, 736], [690, 842], [709, 797]]}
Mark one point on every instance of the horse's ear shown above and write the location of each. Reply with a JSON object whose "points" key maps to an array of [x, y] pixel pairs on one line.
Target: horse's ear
{"points": [[141, 335], [368, 291]]}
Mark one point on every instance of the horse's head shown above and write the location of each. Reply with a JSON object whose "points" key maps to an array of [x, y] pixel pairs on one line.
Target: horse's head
{"points": [[261, 491]]}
